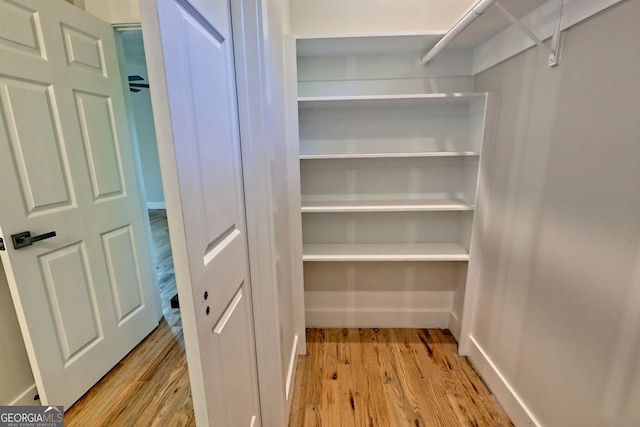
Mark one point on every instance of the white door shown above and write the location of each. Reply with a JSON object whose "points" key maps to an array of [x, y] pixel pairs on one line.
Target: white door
{"points": [[202, 172], [84, 298]]}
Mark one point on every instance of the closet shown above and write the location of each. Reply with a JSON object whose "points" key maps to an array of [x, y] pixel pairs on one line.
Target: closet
{"points": [[391, 164]]}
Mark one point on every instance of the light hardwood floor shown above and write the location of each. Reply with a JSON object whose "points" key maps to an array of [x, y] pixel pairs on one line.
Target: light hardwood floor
{"points": [[149, 387], [349, 378], [164, 266], [389, 378]]}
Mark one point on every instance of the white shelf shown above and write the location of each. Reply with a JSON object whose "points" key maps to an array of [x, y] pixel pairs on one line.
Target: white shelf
{"points": [[388, 155], [364, 205], [367, 44], [379, 173], [408, 100], [385, 252]]}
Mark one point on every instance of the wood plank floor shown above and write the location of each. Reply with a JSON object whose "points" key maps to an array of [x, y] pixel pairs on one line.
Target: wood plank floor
{"points": [[349, 378], [163, 260], [389, 378], [149, 387]]}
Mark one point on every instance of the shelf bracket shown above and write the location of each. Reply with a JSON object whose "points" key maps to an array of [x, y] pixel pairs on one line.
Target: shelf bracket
{"points": [[556, 40]]}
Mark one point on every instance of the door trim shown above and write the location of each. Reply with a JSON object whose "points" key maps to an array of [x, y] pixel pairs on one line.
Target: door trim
{"points": [[137, 161], [247, 22]]}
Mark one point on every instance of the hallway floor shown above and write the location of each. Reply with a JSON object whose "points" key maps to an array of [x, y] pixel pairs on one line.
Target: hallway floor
{"points": [[164, 266], [148, 387], [389, 377]]}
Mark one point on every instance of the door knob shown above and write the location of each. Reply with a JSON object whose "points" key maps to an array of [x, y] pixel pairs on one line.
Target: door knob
{"points": [[25, 239]]}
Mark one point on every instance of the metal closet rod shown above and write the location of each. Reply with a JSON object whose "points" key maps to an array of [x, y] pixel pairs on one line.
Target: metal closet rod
{"points": [[463, 23]]}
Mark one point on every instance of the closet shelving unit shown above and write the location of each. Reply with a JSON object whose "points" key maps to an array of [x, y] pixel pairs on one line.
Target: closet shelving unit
{"points": [[388, 187]]}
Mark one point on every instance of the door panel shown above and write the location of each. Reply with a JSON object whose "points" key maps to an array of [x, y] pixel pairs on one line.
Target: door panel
{"points": [[124, 275], [95, 115], [83, 50], [85, 297], [19, 30], [37, 151], [72, 298], [236, 356], [205, 151]]}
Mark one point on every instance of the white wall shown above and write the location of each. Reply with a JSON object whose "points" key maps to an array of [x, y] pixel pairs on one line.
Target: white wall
{"points": [[116, 12], [558, 311], [374, 16], [15, 371], [143, 116], [325, 16]]}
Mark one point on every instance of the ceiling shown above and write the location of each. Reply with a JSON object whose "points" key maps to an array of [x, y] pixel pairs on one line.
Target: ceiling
{"points": [[492, 22]]}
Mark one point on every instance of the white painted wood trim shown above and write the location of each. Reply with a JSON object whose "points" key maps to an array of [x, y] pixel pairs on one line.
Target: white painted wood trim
{"points": [[543, 22], [411, 205], [480, 219], [384, 252], [336, 318], [372, 37], [361, 101], [292, 368], [388, 155], [26, 398], [509, 399], [366, 44], [458, 80], [454, 326], [156, 205], [293, 143], [248, 23]]}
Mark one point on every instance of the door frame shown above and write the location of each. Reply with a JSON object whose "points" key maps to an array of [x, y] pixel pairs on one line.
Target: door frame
{"points": [[246, 17], [133, 137]]}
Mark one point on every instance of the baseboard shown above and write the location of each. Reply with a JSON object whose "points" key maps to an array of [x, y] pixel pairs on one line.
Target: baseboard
{"points": [[337, 318], [455, 326], [291, 373], [510, 401], [156, 205], [378, 309], [26, 398]]}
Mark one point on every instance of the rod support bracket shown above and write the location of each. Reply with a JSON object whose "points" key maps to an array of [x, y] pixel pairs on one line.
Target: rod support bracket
{"points": [[554, 56], [556, 41], [480, 7]]}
